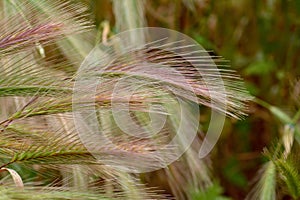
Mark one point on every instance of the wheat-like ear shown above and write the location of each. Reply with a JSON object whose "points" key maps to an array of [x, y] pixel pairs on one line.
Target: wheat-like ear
{"points": [[221, 89], [34, 24], [24, 143], [278, 166], [265, 189], [40, 193], [8, 193], [23, 36], [290, 175], [29, 27], [25, 146], [42, 146], [42, 22], [72, 46], [65, 193], [25, 75]]}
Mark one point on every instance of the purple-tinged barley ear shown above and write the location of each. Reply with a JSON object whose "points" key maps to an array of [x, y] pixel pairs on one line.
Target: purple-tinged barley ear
{"points": [[34, 24], [26, 37], [187, 74]]}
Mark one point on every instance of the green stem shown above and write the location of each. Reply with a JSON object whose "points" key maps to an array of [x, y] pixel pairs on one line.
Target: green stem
{"points": [[33, 91], [296, 117]]}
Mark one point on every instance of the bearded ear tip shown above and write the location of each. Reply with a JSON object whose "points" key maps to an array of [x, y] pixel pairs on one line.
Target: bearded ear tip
{"points": [[20, 31]]}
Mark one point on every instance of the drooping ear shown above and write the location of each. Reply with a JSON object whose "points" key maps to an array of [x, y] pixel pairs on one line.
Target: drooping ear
{"points": [[34, 23]]}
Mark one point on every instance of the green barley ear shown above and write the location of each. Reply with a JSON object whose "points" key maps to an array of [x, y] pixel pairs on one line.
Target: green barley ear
{"points": [[48, 193], [279, 166], [266, 178], [265, 189], [25, 146], [290, 175]]}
